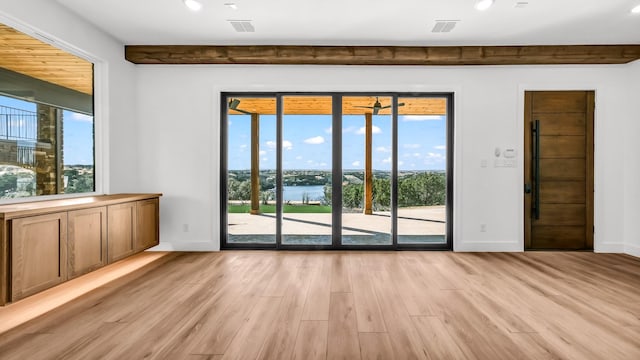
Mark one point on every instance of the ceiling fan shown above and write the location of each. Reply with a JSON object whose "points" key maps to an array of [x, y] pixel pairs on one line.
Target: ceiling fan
{"points": [[233, 105], [377, 106]]}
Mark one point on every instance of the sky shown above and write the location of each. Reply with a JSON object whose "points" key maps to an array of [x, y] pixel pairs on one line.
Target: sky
{"points": [[307, 142], [77, 135]]}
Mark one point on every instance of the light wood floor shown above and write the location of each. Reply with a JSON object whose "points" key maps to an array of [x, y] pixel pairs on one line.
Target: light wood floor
{"points": [[351, 305], [19, 312]]}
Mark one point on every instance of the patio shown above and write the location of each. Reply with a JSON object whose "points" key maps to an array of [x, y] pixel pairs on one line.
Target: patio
{"points": [[425, 224]]}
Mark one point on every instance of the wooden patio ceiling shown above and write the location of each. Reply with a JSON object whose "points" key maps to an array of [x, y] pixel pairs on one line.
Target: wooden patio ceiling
{"points": [[351, 105], [26, 55]]}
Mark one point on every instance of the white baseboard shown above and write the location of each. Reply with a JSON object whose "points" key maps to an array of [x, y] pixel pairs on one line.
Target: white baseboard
{"points": [[187, 246], [609, 248], [488, 246], [484, 246], [633, 250], [481, 246]]}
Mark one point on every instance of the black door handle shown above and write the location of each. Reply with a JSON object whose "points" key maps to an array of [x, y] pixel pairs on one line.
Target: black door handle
{"points": [[527, 188], [535, 130]]}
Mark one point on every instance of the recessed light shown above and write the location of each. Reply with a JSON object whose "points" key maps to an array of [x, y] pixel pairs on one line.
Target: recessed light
{"points": [[231, 6], [193, 5], [636, 9], [483, 5]]}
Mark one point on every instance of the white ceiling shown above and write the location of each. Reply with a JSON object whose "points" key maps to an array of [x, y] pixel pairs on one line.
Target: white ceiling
{"points": [[364, 22]]}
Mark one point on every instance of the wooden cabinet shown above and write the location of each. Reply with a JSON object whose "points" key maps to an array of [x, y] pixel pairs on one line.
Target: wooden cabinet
{"points": [[121, 230], [148, 224], [132, 227], [44, 243], [4, 260], [38, 253], [87, 240]]}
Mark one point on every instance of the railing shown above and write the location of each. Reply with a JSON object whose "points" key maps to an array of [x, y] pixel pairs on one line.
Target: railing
{"points": [[18, 124], [26, 156]]}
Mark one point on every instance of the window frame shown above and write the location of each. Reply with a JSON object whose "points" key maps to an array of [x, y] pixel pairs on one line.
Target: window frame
{"points": [[99, 98]]}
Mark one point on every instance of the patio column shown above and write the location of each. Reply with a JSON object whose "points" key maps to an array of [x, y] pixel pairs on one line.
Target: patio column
{"points": [[368, 173], [255, 164], [48, 155]]}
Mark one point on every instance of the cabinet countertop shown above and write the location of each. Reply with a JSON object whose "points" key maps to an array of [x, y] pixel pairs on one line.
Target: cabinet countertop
{"points": [[10, 211]]}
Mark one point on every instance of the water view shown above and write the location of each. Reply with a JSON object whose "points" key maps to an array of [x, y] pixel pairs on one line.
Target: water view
{"points": [[300, 193]]}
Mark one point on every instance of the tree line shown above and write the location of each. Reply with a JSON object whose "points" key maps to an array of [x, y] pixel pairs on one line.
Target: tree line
{"points": [[422, 189]]}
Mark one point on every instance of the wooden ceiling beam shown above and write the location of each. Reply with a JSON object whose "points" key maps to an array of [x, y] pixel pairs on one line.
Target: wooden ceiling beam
{"points": [[383, 55]]}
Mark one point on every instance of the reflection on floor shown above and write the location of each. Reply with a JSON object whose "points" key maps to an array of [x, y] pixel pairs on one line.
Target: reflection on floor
{"points": [[416, 225]]}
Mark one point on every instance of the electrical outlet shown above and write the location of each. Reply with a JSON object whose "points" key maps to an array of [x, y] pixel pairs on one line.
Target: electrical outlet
{"points": [[185, 227], [483, 227]]}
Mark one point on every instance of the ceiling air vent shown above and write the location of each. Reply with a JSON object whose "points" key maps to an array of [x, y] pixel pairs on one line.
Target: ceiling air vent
{"points": [[521, 4], [242, 25], [444, 26]]}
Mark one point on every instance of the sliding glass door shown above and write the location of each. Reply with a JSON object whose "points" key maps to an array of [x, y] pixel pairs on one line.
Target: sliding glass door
{"points": [[366, 170], [336, 171], [306, 170], [422, 171], [250, 177]]}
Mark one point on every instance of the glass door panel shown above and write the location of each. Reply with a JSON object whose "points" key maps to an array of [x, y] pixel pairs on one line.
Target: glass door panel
{"points": [[306, 170], [366, 170], [251, 175], [422, 164]]}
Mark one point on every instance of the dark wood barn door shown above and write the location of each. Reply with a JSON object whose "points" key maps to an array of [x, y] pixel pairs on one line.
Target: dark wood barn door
{"points": [[558, 170]]}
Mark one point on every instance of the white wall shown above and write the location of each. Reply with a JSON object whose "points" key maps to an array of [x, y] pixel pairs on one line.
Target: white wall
{"points": [[168, 141], [116, 126], [632, 165], [179, 112]]}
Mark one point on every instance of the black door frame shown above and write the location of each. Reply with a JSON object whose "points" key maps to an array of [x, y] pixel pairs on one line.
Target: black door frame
{"points": [[336, 180]]}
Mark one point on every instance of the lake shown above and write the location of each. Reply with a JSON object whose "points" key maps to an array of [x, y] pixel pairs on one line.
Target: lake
{"points": [[295, 193]]}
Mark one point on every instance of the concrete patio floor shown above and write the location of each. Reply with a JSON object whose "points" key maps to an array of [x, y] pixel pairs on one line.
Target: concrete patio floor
{"points": [[427, 221]]}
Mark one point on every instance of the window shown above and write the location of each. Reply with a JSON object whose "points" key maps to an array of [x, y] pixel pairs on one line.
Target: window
{"points": [[46, 119]]}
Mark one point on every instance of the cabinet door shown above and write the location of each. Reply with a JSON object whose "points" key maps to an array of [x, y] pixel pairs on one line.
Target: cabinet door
{"points": [[4, 262], [121, 230], [87, 240], [148, 224], [38, 253]]}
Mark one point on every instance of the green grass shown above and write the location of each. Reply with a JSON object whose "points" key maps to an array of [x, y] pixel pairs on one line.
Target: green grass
{"points": [[271, 209]]}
